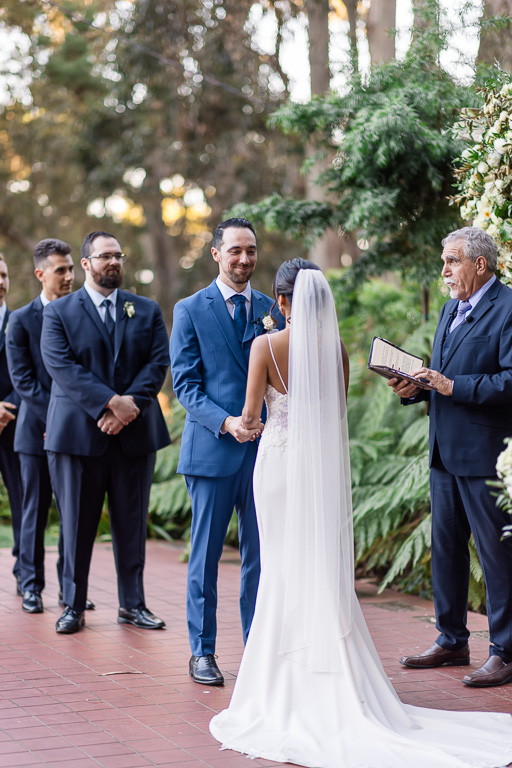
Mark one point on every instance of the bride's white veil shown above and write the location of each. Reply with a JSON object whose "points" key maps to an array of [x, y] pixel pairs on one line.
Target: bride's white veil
{"points": [[318, 557]]}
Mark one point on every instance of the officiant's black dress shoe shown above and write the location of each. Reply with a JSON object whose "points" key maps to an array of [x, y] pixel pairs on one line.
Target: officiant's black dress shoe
{"points": [[139, 617], [436, 656], [204, 670], [89, 605], [32, 602], [493, 672], [70, 622]]}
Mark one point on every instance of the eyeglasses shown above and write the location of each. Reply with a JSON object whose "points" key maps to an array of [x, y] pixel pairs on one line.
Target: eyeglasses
{"points": [[104, 257]]}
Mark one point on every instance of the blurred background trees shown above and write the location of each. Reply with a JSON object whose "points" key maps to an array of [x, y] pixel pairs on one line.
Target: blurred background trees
{"points": [[333, 123]]}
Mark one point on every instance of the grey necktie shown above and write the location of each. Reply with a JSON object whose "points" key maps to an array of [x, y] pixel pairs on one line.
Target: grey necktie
{"points": [[464, 306], [109, 322]]}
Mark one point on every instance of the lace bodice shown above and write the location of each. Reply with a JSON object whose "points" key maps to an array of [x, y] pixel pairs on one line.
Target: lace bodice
{"points": [[276, 427]]}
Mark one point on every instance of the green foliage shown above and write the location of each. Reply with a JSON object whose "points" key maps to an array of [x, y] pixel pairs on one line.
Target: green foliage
{"points": [[392, 173]]}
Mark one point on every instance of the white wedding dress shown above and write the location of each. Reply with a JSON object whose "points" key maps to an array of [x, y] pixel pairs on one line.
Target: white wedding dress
{"points": [[290, 706]]}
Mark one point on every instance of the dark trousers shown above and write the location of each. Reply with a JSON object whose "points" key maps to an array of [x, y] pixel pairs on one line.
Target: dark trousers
{"points": [[37, 499], [80, 484], [213, 501], [10, 471], [461, 506]]}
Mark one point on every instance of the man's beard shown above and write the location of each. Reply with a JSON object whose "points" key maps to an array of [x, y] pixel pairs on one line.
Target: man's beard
{"points": [[108, 280]]}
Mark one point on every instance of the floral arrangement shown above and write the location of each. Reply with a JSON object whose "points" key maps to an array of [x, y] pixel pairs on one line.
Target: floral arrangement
{"points": [[504, 482], [485, 171]]}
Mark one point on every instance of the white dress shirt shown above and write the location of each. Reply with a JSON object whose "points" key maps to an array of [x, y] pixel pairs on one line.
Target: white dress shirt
{"points": [[97, 298]]}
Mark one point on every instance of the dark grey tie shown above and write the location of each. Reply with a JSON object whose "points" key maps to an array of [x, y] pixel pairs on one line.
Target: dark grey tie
{"points": [[240, 318], [109, 322]]}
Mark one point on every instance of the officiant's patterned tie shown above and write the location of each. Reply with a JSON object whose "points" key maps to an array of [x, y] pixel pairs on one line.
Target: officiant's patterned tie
{"points": [[240, 318], [464, 306], [109, 321]]}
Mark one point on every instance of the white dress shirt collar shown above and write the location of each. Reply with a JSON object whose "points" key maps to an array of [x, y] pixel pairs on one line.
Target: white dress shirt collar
{"points": [[98, 297], [3, 310]]}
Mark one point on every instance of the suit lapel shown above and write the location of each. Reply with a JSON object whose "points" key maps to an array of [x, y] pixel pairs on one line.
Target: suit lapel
{"points": [[93, 313], [121, 322], [484, 305], [3, 330], [224, 321]]}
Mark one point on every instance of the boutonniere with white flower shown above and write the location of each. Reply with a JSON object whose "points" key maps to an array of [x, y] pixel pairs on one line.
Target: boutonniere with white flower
{"points": [[129, 308]]}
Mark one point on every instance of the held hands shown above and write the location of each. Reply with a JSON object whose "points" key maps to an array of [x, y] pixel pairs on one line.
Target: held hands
{"points": [[124, 409], [233, 425], [5, 414], [110, 424], [437, 381]]}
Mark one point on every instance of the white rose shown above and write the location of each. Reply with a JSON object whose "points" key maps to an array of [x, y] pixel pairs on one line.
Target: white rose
{"points": [[500, 145], [466, 154], [494, 159], [482, 168], [493, 230], [499, 183], [268, 323], [464, 212]]}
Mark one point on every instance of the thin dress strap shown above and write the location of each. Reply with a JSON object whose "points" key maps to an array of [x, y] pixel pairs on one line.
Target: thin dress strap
{"points": [[276, 365]]}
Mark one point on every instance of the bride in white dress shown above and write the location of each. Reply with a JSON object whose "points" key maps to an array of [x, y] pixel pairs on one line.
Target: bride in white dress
{"points": [[311, 689]]}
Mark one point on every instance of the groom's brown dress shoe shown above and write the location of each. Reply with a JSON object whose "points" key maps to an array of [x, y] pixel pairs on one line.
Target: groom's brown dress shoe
{"points": [[494, 672], [436, 656], [204, 670]]}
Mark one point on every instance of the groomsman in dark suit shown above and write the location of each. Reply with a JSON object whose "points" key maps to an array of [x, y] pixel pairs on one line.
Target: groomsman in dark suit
{"points": [[106, 352], [54, 270], [9, 402]]}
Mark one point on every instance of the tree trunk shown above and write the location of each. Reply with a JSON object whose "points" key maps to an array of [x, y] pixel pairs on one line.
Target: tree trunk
{"points": [[351, 7], [380, 25], [326, 251], [161, 256], [496, 44]]}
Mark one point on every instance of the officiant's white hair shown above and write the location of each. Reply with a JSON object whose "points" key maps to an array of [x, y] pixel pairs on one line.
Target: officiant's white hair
{"points": [[475, 242]]}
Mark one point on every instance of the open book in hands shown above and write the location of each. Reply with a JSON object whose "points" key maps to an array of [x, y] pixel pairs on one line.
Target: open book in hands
{"points": [[391, 361]]}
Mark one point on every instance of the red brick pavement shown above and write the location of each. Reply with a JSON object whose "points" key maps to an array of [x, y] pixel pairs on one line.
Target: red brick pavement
{"points": [[118, 697]]}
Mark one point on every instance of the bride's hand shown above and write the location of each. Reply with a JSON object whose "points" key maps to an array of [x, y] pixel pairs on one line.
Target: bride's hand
{"points": [[242, 434]]}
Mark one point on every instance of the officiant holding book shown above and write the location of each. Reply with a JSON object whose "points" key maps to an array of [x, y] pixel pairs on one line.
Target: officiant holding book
{"points": [[470, 410]]}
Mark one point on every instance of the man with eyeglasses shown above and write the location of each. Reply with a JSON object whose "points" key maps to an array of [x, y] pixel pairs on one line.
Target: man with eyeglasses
{"points": [[106, 352]]}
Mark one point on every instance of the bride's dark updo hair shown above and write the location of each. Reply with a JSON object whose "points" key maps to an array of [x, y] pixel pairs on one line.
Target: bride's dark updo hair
{"points": [[286, 276]]}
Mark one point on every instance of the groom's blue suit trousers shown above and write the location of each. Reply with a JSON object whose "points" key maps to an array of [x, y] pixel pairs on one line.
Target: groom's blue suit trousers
{"points": [[213, 500]]}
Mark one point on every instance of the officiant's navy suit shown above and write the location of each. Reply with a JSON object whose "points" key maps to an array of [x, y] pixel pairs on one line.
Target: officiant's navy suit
{"points": [[86, 371], [209, 369], [467, 431], [32, 383], [9, 463]]}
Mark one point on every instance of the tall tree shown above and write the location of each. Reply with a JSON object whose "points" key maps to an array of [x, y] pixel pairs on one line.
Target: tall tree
{"points": [[495, 42], [380, 26]]}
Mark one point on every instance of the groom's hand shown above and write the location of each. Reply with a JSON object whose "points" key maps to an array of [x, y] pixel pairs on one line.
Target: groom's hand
{"points": [[233, 425]]}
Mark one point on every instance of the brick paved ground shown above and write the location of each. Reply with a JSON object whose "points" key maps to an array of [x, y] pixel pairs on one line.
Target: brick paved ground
{"points": [[117, 697]]}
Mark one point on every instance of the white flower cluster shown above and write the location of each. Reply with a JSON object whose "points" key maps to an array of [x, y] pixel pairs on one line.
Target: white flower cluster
{"points": [[485, 174], [504, 468]]}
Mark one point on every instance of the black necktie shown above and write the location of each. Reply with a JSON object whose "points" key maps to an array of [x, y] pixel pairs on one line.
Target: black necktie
{"points": [[240, 318], [109, 322]]}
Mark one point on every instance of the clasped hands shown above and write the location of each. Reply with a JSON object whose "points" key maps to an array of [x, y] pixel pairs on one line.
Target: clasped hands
{"points": [[241, 433], [5, 414], [437, 381], [120, 411]]}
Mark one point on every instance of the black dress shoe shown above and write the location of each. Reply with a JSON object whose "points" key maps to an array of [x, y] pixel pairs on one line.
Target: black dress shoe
{"points": [[139, 617], [204, 670], [19, 590], [89, 605], [32, 602], [70, 622], [436, 656]]}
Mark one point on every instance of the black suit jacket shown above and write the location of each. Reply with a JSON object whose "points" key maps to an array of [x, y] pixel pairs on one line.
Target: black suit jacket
{"points": [[7, 392]]}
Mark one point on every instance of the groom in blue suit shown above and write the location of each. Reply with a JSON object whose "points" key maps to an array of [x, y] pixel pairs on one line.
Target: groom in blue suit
{"points": [[210, 342], [470, 409], [106, 352]]}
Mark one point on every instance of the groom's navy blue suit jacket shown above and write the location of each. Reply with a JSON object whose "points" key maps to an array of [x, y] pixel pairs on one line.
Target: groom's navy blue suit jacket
{"points": [[209, 370], [86, 373], [469, 427]]}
